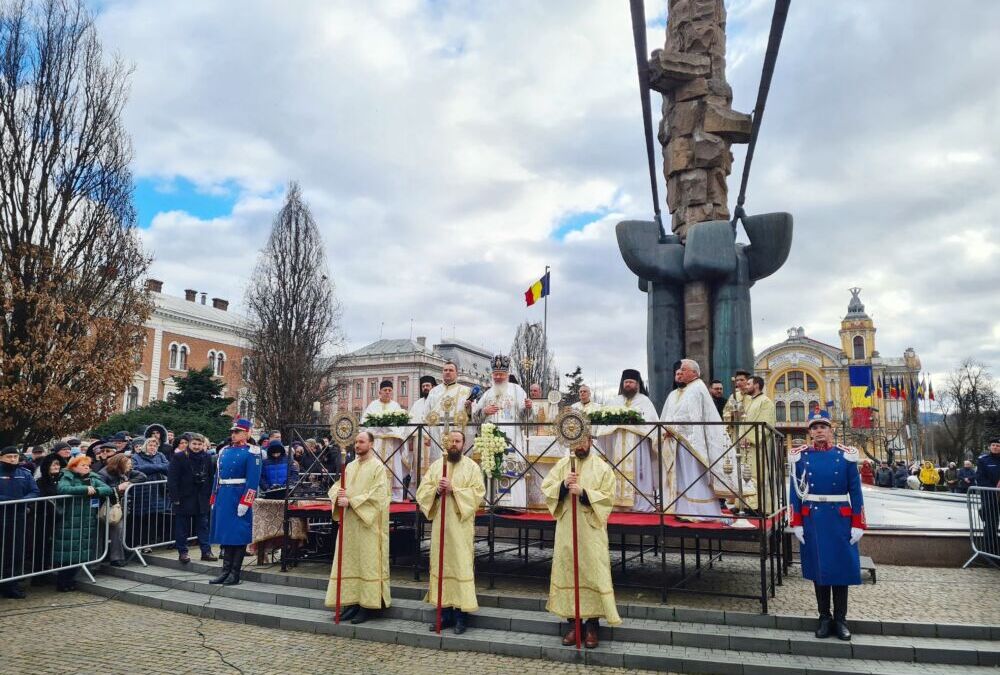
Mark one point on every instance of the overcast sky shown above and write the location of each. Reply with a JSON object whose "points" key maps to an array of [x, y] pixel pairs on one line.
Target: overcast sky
{"points": [[451, 150]]}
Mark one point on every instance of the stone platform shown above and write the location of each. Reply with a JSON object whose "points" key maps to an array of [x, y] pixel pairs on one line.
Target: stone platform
{"points": [[653, 636]]}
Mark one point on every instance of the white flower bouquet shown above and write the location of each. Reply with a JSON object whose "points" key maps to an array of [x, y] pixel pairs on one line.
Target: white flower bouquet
{"points": [[491, 444], [387, 419], [615, 415]]}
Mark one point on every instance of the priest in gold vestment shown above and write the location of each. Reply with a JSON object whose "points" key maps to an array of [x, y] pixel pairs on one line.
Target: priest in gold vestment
{"points": [[593, 484], [462, 492], [364, 585]]}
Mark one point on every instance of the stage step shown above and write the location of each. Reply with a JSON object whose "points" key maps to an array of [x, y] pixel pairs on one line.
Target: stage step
{"points": [[677, 645]]}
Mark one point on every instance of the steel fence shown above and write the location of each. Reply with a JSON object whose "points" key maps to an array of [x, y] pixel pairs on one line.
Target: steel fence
{"points": [[984, 523], [43, 535], [148, 520]]}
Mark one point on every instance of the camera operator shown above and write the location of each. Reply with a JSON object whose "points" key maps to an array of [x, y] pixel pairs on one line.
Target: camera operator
{"points": [[189, 484]]}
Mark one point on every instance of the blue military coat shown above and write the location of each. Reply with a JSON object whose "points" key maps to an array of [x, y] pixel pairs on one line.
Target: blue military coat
{"points": [[237, 480], [825, 499]]}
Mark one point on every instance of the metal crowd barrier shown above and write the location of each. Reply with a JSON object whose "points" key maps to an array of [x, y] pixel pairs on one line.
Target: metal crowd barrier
{"points": [[984, 523], [148, 517], [50, 534]]}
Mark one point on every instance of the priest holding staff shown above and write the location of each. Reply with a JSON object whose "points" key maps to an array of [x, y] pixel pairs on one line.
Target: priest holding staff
{"points": [[363, 498], [589, 480], [449, 495]]}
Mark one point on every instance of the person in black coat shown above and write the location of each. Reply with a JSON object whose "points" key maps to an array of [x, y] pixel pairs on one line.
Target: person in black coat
{"points": [[16, 483], [189, 486]]}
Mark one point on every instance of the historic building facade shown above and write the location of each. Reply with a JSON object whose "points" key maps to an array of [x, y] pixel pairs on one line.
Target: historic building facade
{"points": [[803, 373], [403, 362], [188, 333]]}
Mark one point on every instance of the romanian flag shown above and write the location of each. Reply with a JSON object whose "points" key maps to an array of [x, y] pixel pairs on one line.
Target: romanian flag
{"points": [[861, 395], [902, 388], [537, 290], [878, 388], [893, 389]]}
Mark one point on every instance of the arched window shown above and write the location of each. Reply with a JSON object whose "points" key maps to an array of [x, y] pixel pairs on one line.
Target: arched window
{"points": [[244, 407], [211, 360], [811, 384], [174, 356], [403, 385], [779, 411], [859, 347], [182, 363], [796, 380], [779, 385], [798, 410], [245, 369], [220, 364], [813, 407], [133, 398]]}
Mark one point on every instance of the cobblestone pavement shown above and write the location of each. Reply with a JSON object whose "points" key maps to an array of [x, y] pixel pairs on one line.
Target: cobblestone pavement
{"points": [[61, 633]]}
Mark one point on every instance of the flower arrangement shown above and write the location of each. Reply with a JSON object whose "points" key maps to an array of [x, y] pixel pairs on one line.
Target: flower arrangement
{"points": [[615, 415], [491, 444], [387, 419]]}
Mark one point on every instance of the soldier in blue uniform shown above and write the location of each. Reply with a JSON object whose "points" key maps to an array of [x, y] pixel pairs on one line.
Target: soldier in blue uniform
{"points": [[826, 514], [988, 476], [237, 480]]}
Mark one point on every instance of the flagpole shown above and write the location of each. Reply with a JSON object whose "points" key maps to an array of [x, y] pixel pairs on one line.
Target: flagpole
{"points": [[545, 337]]}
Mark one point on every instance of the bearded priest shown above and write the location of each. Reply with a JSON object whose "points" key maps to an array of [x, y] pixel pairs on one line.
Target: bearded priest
{"points": [[461, 492], [695, 447], [388, 440], [504, 402], [590, 479], [632, 445]]}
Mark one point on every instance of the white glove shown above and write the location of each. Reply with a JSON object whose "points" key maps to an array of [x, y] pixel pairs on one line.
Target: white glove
{"points": [[241, 510], [856, 533], [798, 532]]}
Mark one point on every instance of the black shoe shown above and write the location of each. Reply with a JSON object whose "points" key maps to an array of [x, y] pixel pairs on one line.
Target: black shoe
{"points": [[360, 616], [840, 630], [823, 631], [227, 567], [234, 573], [120, 563], [208, 557], [447, 620], [459, 622], [347, 613]]}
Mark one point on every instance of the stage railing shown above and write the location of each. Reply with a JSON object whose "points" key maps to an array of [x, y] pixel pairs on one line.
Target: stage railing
{"points": [[43, 535], [147, 518], [984, 523], [653, 446]]}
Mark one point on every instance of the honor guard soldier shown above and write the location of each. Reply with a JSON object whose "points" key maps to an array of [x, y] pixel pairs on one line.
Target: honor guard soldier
{"points": [[236, 483], [988, 478], [826, 513]]}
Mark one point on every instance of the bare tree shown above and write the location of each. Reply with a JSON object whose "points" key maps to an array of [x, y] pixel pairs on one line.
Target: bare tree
{"points": [[295, 319], [969, 402], [71, 265], [530, 360]]}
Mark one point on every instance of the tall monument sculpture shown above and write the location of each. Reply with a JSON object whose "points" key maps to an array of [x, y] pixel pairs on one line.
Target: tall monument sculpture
{"points": [[698, 279]]}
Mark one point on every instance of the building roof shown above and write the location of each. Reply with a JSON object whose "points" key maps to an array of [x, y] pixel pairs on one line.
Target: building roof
{"points": [[186, 309], [391, 346]]}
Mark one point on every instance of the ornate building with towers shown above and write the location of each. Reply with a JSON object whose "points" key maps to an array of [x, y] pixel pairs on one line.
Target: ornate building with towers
{"points": [[850, 380]]}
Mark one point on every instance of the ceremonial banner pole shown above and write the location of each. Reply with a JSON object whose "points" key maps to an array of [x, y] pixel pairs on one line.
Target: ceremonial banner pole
{"points": [[340, 543], [545, 337], [444, 512], [576, 562]]}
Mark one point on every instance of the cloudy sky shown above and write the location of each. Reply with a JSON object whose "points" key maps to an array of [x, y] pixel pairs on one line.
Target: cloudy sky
{"points": [[452, 149]]}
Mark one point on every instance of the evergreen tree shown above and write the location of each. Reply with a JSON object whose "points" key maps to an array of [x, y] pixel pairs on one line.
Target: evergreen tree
{"points": [[573, 389]]}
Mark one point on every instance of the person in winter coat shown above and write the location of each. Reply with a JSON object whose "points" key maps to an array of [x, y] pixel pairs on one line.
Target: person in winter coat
{"points": [[929, 476], [966, 476], [78, 529], [49, 472], [189, 487], [951, 477], [867, 474], [883, 475], [16, 483], [899, 476], [159, 432], [149, 502], [277, 471], [118, 475]]}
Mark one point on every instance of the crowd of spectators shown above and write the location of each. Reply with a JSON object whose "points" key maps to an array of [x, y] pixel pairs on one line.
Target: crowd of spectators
{"points": [[168, 481]]}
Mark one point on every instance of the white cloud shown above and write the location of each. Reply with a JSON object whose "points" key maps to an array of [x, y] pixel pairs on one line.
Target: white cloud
{"points": [[440, 144]]}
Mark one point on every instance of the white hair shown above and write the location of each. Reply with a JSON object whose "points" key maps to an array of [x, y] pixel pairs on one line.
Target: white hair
{"points": [[693, 365]]}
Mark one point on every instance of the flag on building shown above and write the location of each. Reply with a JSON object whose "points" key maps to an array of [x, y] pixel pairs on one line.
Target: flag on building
{"points": [[920, 389], [861, 396], [878, 388], [930, 390], [893, 388], [537, 290], [913, 390]]}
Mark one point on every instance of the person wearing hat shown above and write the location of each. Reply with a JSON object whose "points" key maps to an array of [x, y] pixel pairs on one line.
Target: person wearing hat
{"points": [[278, 471], [591, 480], [190, 478], [389, 446], [632, 447], [16, 483], [988, 476], [504, 403], [78, 527], [826, 515], [237, 480], [64, 452], [419, 409]]}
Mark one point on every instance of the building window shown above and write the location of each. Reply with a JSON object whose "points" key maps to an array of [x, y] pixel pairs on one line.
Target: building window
{"points": [[245, 369], [811, 384], [133, 398], [859, 347], [403, 386], [796, 380], [798, 411], [779, 386], [373, 390], [813, 407], [220, 364], [174, 351], [182, 363], [246, 409], [357, 390], [779, 411], [211, 360]]}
